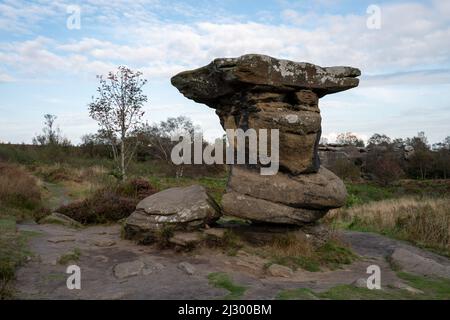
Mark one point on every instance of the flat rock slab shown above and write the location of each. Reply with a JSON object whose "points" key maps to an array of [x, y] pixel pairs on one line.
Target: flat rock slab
{"points": [[61, 239], [128, 269], [415, 263]]}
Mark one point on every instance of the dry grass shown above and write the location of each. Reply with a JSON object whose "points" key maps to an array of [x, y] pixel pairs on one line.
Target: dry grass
{"points": [[61, 172], [18, 189], [298, 252], [423, 221]]}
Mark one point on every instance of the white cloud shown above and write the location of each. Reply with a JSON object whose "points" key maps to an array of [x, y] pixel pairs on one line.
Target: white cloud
{"points": [[412, 36], [420, 77], [411, 49], [5, 78]]}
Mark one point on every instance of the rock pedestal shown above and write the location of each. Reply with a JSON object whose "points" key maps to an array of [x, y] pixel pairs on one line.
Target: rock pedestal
{"points": [[261, 92]]}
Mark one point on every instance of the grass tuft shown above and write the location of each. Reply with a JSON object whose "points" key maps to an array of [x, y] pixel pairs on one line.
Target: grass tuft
{"points": [[72, 256], [222, 280], [432, 289], [295, 252], [13, 253]]}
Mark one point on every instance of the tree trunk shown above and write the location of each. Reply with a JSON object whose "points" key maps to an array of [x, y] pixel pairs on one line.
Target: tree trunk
{"points": [[122, 160]]}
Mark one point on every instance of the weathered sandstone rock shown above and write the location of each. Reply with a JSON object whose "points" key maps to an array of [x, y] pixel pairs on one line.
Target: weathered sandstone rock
{"points": [[222, 77], [58, 218], [261, 92], [322, 190], [185, 208], [415, 263], [260, 210]]}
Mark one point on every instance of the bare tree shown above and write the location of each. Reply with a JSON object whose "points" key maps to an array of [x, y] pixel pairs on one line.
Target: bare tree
{"points": [[349, 139], [379, 139], [158, 137], [51, 135], [118, 111]]}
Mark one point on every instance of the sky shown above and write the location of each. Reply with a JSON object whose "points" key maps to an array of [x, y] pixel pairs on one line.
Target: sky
{"points": [[49, 63]]}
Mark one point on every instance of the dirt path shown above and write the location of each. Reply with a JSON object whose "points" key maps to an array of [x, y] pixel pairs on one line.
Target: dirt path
{"points": [[160, 275]]}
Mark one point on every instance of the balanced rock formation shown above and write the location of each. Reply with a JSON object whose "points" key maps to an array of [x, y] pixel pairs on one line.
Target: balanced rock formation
{"points": [[261, 92], [186, 208]]}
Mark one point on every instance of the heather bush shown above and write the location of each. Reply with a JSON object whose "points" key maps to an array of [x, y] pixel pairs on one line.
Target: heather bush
{"points": [[109, 204]]}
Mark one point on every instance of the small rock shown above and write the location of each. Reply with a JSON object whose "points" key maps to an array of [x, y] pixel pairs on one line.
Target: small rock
{"points": [[360, 283], [128, 269], [101, 258], [104, 243], [276, 270], [150, 266], [215, 233], [147, 271], [248, 261], [186, 267], [403, 286], [61, 239], [51, 260], [186, 239], [59, 218]]}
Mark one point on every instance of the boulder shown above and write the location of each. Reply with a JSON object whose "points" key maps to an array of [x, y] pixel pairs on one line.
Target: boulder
{"points": [[260, 210], [276, 270], [183, 208], [321, 190]]}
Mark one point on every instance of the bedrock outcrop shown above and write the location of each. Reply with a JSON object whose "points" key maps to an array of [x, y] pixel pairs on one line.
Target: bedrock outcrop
{"points": [[260, 92]]}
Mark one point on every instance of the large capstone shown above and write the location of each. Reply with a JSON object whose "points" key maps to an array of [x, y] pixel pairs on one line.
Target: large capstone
{"points": [[261, 92]]}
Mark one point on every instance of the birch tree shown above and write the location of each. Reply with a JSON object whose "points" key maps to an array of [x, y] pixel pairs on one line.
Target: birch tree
{"points": [[118, 109]]}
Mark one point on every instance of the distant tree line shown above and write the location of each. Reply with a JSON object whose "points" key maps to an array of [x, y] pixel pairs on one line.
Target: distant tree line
{"points": [[387, 160]]}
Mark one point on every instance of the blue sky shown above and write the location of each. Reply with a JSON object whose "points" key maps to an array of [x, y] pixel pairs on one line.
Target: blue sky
{"points": [[47, 68]]}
